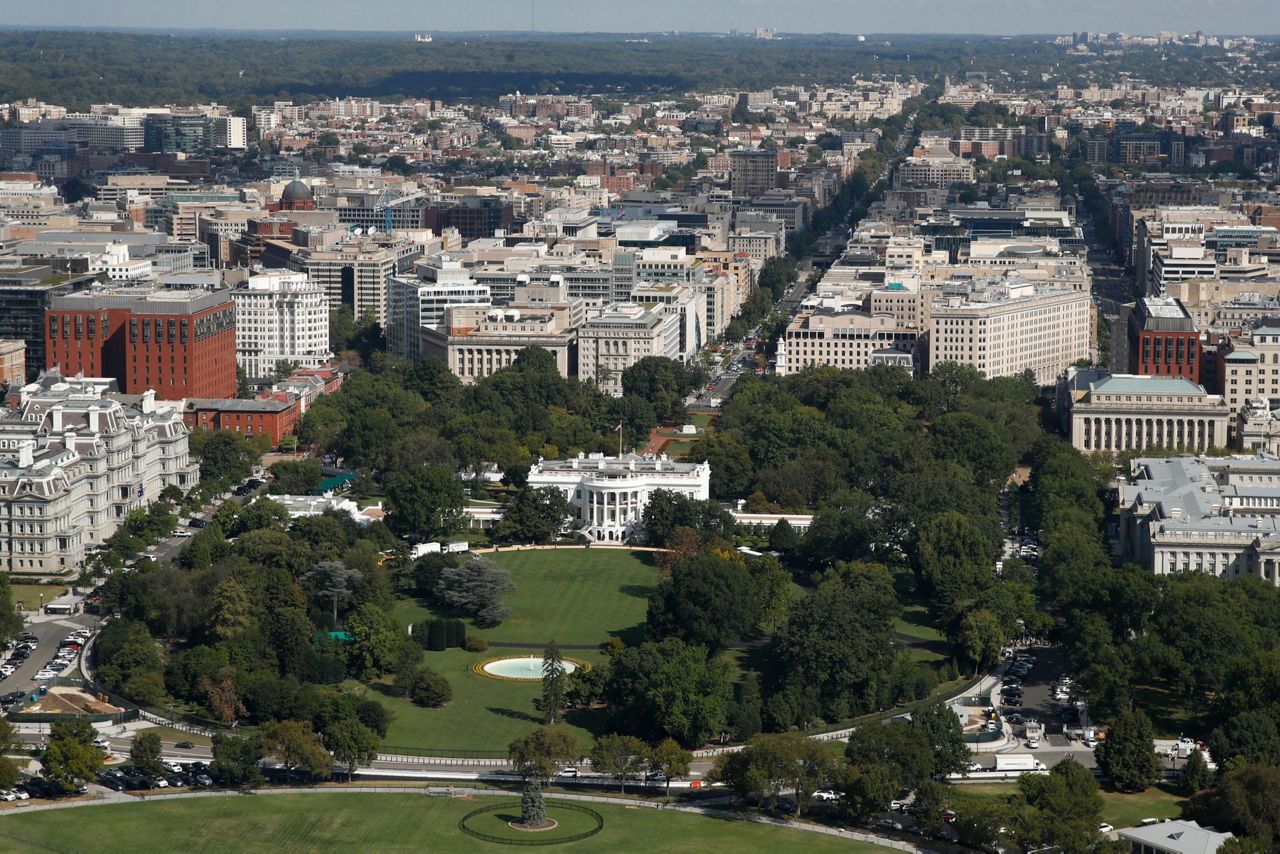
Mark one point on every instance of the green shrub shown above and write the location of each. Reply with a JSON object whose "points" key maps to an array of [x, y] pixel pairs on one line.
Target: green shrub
{"points": [[431, 689]]}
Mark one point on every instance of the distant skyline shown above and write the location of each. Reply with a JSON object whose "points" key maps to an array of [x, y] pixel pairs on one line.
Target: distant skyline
{"points": [[996, 17]]}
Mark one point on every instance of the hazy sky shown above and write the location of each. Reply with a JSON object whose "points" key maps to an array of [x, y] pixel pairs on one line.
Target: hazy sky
{"points": [[848, 16]]}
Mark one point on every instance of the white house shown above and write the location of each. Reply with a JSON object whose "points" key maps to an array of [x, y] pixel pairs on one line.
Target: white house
{"points": [[610, 493]]}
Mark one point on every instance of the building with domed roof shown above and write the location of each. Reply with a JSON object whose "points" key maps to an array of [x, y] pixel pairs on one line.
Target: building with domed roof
{"points": [[297, 196]]}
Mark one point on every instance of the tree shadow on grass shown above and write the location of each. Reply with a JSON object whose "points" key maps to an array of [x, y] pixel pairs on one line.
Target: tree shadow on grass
{"points": [[516, 715], [639, 591], [646, 558], [633, 636], [594, 720], [387, 690]]}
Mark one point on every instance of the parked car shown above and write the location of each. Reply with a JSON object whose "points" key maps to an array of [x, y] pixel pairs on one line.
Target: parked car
{"points": [[1105, 828], [889, 824], [568, 771], [204, 780], [826, 795]]}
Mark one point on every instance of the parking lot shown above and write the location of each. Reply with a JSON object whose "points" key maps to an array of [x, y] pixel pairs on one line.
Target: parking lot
{"points": [[1038, 704]]}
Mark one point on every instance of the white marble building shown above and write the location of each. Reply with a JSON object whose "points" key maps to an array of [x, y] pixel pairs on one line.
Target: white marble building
{"points": [[610, 493]]}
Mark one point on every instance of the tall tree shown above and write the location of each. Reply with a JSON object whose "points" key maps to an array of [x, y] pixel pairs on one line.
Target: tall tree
{"points": [[665, 689], [707, 601], [236, 760], [376, 643], [535, 515], [476, 588], [1127, 755], [71, 757], [940, 729], [425, 503], [146, 754], [554, 681], [351, 743], [668, 757], [295, 745], [1195, 775], [618, 756], [541, 752]]}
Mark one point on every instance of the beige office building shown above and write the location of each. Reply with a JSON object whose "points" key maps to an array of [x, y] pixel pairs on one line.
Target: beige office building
{"points": [[1250, 370], [852, 340], [1007, 327], [477, 341], [356, 271], [13, 356], [619, 337]]}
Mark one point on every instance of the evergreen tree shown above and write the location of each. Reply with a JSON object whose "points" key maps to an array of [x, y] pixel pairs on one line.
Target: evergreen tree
{"points": [[1195, 776], [553, 683], [533, 810], [1127, 755]]}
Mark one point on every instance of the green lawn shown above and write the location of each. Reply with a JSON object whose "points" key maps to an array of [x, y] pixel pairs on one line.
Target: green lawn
{"points": [[576, 597], [700, 420], [485, 714], [1121, 810], [679, 448], [28, 595], [1169, 717], [347, 822]]}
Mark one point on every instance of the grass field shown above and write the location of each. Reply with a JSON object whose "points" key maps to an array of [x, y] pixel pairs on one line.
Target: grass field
{"points": [[348, 822], [485, 714], [1121, 810], [1169, 717], [679, 448], [576, 597], [923, 641], [28, 595]]}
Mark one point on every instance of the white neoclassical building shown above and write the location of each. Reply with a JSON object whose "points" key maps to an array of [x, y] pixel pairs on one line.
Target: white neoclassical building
{"points": [[73, 464], [610, 493], [1124, 412], [1213, 515]]}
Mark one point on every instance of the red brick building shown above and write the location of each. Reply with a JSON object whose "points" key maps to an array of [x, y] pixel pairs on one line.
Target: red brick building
{"points": [[1163, 340], [276, 418], [181, 343]]}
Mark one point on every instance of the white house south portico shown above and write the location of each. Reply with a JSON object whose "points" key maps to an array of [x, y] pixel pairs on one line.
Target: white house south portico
{"points": [[610, 493]]}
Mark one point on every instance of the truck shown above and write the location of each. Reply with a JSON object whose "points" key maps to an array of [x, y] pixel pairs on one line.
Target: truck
{"points": [[1018, 762]]}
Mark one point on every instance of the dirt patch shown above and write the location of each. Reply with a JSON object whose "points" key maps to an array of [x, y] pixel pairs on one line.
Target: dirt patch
{"points": [[72, 701]]}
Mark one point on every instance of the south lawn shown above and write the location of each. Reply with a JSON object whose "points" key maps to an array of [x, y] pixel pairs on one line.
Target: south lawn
{"points": [[345, 822], [484, 715], [576, 597]]}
